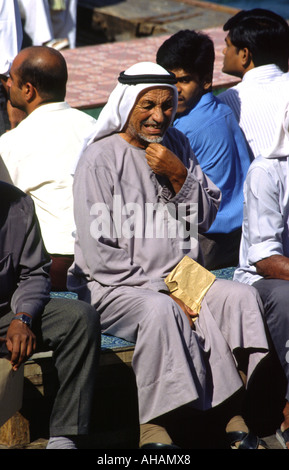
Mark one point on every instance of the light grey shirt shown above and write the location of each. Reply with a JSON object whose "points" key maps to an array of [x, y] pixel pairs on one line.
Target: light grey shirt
{"points": [[128, 219]]}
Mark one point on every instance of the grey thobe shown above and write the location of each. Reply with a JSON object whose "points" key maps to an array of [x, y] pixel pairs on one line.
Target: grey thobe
{"points": [[121, 260]]}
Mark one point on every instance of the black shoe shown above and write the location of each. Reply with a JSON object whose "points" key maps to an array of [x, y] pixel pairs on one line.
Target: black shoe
{"points": [[158, 445]]}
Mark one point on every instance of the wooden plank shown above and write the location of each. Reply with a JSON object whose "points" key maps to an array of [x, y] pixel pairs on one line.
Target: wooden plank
{"points": [[111, 357], [129, 19], [210, 6]]}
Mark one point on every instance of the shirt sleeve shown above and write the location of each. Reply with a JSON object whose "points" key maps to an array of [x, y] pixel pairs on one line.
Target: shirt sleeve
{"points": [[33, 286], [11, 34], [265, 220]]}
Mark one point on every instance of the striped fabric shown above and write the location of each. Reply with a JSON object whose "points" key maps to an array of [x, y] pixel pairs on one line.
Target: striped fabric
{"points": [[257, 102]]}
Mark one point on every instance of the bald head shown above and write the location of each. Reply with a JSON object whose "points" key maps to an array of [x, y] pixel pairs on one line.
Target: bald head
{"points": [[45, 68]]}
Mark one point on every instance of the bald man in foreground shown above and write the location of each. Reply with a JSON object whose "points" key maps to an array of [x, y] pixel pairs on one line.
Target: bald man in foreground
{"points": [[40, 153]]}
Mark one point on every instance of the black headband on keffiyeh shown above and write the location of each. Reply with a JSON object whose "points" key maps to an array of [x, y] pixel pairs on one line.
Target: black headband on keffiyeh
{"points": [[126, 79]]}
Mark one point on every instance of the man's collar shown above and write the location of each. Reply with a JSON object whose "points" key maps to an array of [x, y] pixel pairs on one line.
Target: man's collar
{"points": [[263, 71]]}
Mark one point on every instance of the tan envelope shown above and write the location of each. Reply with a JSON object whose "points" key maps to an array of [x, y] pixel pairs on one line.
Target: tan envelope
{"points": [[189, 281]]}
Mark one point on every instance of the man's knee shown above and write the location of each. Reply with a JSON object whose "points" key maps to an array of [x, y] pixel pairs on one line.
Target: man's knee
{"points": [[274, 294], [84, 312], [71, 312], [241, 293], [159, 310]]}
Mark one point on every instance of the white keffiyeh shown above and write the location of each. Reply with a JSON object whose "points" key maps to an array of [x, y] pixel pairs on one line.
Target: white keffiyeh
{"points": [[114, 115]]}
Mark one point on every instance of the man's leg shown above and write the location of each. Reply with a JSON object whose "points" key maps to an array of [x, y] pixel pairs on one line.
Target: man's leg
{"points": [[71, 329], [275, 296], [164, 343], [174, 365], [238, 312]]}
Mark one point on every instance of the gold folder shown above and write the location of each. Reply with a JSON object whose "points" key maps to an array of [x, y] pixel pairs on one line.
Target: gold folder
{"points": [[189, 281]]}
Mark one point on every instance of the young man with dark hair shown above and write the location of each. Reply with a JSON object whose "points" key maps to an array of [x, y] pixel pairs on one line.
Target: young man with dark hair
{"points": [[257, 51], [215, 138]]}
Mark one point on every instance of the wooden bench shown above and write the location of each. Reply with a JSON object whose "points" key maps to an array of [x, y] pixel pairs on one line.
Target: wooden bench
{"points": [[115, 412]]}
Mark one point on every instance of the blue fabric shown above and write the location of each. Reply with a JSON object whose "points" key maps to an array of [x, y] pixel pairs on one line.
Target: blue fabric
{"points": [[225, 273], [113, 342], [222, 152]]}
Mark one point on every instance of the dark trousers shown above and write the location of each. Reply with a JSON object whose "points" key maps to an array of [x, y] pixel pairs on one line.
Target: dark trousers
{"points": [[71, 329], [275, 297]]}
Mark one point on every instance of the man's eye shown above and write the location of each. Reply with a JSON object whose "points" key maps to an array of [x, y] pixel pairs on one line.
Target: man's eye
{"points": [[147, 106]]}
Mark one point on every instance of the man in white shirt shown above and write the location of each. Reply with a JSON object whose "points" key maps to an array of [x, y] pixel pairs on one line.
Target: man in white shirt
{"points": [[36, 21], [264, 253], [50, 22], [11, 36], [257, 51], [41, 152]]}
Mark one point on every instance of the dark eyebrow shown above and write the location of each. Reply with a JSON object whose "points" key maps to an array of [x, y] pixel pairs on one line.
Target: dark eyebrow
{"points": [[147, 102], [184, 77]]}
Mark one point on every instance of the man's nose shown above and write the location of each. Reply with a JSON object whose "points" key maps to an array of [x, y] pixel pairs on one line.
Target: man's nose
{"points": [[178, 86], [158, 114]]}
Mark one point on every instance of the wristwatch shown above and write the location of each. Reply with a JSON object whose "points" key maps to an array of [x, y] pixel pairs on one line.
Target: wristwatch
{"points": [[25, 319]]}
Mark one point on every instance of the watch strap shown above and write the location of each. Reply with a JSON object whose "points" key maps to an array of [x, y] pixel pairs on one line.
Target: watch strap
{"points": [[24, 318]]}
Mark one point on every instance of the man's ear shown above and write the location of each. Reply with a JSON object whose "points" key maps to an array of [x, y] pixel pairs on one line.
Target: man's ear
{"points": [[246, 58], [30, 92], [207, 83]]}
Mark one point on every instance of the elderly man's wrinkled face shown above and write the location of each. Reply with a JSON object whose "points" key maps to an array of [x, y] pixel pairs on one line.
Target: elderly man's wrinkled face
{"points": [[150, 117]]}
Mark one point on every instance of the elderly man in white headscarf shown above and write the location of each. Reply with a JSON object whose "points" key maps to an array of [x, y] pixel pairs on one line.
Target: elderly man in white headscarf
{"points": [[135, 185], [264, 251]]}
